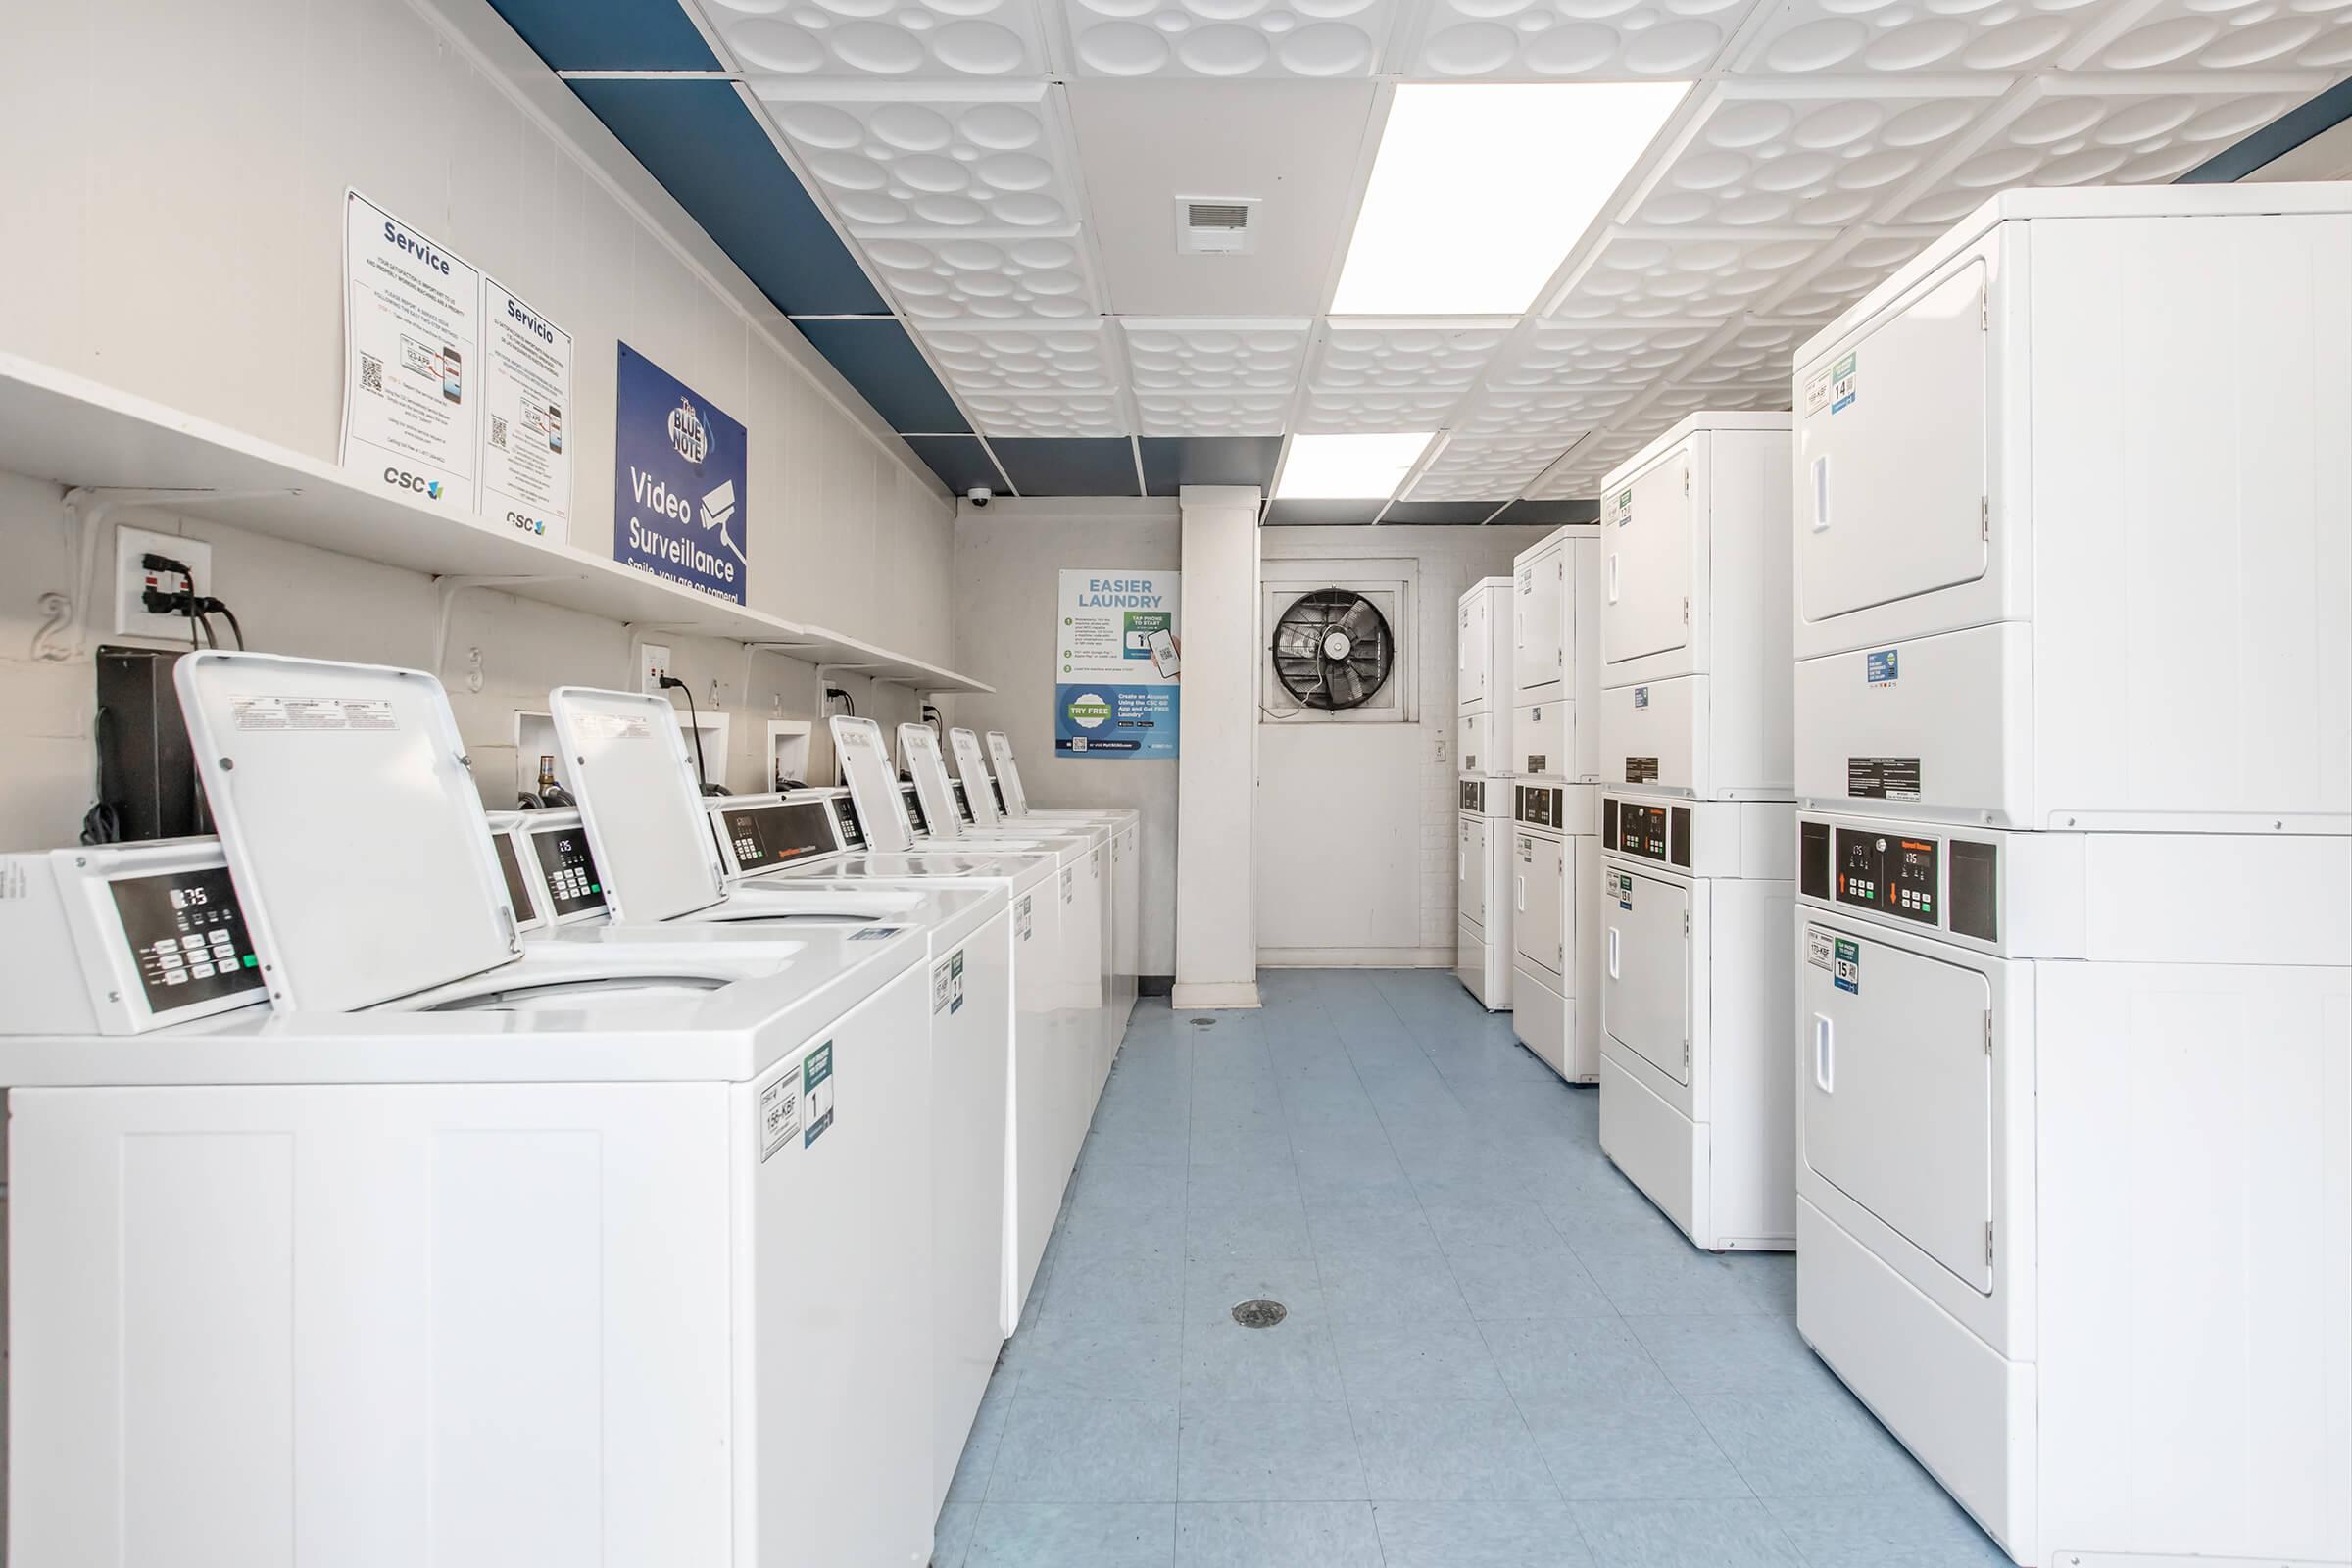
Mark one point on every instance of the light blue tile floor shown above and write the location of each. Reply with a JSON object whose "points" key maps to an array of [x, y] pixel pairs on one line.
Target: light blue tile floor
{"points": [[1498, 1354]]}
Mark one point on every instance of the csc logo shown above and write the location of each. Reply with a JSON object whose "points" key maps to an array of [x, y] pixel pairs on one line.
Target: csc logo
{"points": [[527, 525], [402, 479]]}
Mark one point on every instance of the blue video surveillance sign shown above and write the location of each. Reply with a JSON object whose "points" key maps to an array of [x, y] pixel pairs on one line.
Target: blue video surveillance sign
{"points": [[680, 471]]}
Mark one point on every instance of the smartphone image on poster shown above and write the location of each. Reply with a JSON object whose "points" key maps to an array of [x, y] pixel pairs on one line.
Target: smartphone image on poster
{"points": [[1163, 654], [453, 384], [554, 428]]}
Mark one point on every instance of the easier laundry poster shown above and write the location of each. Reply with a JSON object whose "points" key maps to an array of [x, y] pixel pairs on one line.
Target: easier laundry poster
{"points": [[680, 474], [1119, 655]]}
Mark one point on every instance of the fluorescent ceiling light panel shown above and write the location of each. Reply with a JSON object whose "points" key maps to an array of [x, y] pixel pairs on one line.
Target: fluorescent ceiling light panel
{"points": [[1479, 190], [1347, 468]]}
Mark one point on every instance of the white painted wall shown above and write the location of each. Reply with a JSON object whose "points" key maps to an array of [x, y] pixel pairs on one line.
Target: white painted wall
{"points": [[1216, 940], [1355, 822], [1009, 556], [174, 227]]}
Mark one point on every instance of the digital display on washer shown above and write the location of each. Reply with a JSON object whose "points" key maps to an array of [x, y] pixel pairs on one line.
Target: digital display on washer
{"points": [[853, 831], [1858, 878], [186, 932], [572, 883], [763, 836], [519, 886], [915, 808], [963, 799]]}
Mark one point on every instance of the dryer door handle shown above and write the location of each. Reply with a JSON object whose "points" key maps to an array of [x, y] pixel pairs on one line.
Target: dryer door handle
{"points": [[1612, 576], [1824, 1055], [1521, 879], [1613, 953]]}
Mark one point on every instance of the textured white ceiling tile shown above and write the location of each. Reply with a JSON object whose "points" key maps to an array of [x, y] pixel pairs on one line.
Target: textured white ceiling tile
{"points": [[954, 38], [1373, 412], [1212, 414], [1042, 360], [1907, 36], [1861, 260], [931, 157], [1486, 467], [1589, 463], [1227, 38], [2102, 131], [2227, 35], [1187, 356], [1648, 276], [1368, 354], [940, 279], [1022, 414], [1749, 370], [1562, 414], [1562, 41], [1596, 357], [1765, 158]]}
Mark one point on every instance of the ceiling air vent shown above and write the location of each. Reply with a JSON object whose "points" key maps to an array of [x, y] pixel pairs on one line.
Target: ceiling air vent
{"points": [[1215, 225]]}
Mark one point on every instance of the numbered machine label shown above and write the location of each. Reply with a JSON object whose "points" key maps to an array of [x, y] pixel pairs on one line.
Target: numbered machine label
{"points": [[946, 984], [816, 1092], [1026, 914], [779, 1114], [1070, 888], [1623, 889]]}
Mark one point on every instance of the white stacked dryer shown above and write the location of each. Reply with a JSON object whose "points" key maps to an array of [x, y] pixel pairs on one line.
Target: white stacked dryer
{"points": [[1699, 829], [1553, 869], [1482, 850], [2073, 759]]}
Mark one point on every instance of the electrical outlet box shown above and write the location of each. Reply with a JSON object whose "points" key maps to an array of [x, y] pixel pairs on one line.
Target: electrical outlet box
{"points": [[652, 663], [132, 580]]}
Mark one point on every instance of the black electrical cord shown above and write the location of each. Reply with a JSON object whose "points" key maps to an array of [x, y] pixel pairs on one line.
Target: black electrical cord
{"points": [[214, 606], [702, 769]]}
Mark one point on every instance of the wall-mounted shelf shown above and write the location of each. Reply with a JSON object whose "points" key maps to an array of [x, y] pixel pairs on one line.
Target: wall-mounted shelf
{"points": [[81, 433]]}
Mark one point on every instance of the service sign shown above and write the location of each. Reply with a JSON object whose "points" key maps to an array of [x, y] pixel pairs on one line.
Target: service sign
{"points": [[680, 469], [1118, 657], [411, 371]]}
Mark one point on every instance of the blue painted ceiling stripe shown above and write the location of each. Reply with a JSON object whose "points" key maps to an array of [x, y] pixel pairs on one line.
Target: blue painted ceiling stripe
{"points": [[877, 358], [700, 141], [610, 35], [1549, 514], [1171, 461], [2281, 136], [961, 462], [1092, 466]]}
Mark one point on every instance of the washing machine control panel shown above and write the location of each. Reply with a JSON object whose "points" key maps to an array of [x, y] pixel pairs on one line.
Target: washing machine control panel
{"points": [[567, 870], [845, 815], [1947, 883], [186, 935], [915, 808], [964, 799], [760, 837]]}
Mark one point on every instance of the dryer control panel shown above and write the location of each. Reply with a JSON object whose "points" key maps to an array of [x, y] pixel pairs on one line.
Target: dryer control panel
{"points": [[1926, 878], [1540, 804], [1474, 795], [1660, 833]]}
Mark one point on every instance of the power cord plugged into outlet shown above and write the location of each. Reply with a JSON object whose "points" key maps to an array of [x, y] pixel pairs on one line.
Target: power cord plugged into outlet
{"points": [[199, 609], [702, 769]]}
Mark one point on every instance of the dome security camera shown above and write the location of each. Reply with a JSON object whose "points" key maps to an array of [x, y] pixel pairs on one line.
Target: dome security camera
{"points": [[979, 495]]}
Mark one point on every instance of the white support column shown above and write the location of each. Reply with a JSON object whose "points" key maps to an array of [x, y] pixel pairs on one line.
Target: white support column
{"points": [[1216, 768]]}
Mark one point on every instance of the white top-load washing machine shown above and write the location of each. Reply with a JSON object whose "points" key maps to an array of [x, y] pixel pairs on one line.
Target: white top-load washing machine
{"points": [[455, 1248], [967, 818], [2074, 1176], [551, 877], [1126, 852], [1554, 845], [1056, 978], [2069, 543], [1698, 833]]}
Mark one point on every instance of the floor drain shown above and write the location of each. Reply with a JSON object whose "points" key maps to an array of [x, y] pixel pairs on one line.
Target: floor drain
{"points": [[1260, 1314], [1204, 1023]]}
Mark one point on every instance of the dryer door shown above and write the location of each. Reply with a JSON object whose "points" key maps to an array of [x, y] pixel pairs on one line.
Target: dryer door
{"points": [[1536, 609], [1646, 569], [1896, 1088], [1538, 899], [1892, 458], [1471, 869], [1645, 967]]}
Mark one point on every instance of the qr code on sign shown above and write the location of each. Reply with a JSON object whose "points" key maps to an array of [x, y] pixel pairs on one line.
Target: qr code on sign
{"points": [[372, 373], [497, 431]]}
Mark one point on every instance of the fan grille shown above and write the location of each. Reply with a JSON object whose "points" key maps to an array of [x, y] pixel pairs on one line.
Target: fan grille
{"points": [[1333, 649]]}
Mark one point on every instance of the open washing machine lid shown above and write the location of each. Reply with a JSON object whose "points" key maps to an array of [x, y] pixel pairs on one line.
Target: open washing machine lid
{"points": [[864, 763], [638, 795], [1008, 773], [972, 768], [918, 744], [351, 826]]}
